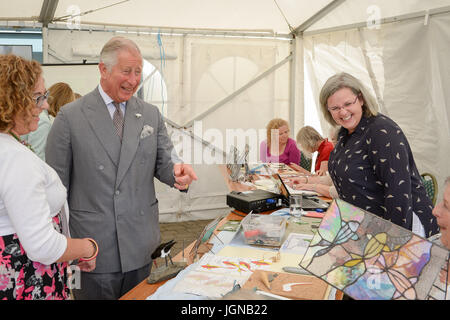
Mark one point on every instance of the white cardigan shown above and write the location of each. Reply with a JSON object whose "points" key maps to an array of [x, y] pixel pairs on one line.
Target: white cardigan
{"points": [[31, 193]]}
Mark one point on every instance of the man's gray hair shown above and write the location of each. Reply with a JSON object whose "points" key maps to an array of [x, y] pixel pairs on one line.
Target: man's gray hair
{"points": [[108, 55]]}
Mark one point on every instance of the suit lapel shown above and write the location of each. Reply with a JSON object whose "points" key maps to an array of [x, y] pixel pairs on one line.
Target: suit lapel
{"points": [[101, 123], [130, 139]]}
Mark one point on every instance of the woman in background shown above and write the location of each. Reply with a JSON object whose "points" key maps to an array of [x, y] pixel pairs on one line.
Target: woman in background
{"points": [[59, 94], [34, 242], [279, 148], [311, 141]]}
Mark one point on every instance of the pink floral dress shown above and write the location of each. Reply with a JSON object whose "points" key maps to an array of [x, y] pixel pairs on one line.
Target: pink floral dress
{"points": [[23, 279]]}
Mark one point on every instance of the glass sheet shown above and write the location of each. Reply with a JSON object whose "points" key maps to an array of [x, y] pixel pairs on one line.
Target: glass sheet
{"points": [[370, 258]]}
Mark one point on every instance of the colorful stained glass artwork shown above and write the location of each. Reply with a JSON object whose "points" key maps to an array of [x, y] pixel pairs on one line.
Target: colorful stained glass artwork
{"points": [[440, 289], [370, 258]]}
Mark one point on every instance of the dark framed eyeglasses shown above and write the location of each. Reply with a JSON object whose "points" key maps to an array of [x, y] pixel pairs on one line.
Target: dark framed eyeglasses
{"points": [[40, 99]]}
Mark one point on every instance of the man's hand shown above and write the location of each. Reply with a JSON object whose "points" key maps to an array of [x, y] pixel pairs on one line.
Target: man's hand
{"points": [[87, 266], [184, 175]]}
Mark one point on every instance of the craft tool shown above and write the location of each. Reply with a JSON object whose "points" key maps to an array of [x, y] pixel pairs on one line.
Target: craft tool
{"points": [[271, 295], [295, 270], [288, 286]]}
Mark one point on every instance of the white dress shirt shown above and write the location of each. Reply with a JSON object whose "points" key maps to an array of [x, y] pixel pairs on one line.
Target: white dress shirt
{"points": [[109, 102], [31, 193]]}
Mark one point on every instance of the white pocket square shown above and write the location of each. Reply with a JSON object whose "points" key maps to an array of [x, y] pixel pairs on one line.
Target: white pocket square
{"points": [[146, 131]]}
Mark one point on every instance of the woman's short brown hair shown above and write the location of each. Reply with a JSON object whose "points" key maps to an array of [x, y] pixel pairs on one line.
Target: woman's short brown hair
{"points": [[61, 93], [17, 82]]}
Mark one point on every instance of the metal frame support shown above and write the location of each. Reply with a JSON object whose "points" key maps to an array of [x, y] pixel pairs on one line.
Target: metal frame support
{"points": [[239, 91], [48, 10], [292, 77], [193, 136], [399, 18], [319, 15]]}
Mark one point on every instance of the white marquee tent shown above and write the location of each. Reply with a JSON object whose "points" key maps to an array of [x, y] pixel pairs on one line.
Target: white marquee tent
{"points": [[217, 65]]}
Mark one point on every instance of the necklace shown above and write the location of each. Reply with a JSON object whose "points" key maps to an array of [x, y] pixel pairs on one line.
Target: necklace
{"points": [[26, 144]]}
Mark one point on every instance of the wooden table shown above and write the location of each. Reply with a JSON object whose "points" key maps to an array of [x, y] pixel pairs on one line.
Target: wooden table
{"points": [[144, 289]]}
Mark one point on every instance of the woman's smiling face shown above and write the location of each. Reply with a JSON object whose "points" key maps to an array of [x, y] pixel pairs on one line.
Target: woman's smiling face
{"points": [[346, 108], [442, 213], [24, 126]]}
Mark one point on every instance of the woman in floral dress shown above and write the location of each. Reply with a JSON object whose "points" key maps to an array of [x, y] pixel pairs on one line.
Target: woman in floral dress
{"points": [[35, 246]]}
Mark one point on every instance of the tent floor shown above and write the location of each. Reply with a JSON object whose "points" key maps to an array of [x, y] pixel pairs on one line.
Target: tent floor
{"points": [[188, 231]]}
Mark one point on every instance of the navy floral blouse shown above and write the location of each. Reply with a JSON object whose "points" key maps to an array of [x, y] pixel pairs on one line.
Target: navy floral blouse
{"points": [[373, 168]]}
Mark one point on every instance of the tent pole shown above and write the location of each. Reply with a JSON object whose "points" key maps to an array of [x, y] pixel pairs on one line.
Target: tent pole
{"points": [[193, 136], [44, 45], [415, 15], [93, 26], [319, 15], [239, 91], [292, 72], [48, 10]]}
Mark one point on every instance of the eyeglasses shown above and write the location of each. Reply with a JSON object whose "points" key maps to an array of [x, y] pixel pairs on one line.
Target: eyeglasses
{"points": [[40, 100], [336, 109]]}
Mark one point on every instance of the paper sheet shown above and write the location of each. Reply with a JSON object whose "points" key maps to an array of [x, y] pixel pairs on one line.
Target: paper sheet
{"points": [[216, 275], [286, 259]]}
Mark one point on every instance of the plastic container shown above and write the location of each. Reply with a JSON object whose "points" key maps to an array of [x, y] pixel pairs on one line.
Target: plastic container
{"points": [[264, 230]]}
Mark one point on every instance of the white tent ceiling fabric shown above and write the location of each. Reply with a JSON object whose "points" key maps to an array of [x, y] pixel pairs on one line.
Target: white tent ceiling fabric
{"points": [[405, 64], [266, 15], [206, 71]]}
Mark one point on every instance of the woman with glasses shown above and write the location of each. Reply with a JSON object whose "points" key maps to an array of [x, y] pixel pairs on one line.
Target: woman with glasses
{"points": [[57, 95], [372, 166], [34, 242]]}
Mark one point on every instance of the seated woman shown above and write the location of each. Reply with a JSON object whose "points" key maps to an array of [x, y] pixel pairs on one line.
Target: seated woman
{"points": [[311, 141], [59, 94], [279, 148], [323, 185], [372, 166]]}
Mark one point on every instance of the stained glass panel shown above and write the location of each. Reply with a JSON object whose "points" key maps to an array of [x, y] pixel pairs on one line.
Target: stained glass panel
{"points": [[370, 258]]}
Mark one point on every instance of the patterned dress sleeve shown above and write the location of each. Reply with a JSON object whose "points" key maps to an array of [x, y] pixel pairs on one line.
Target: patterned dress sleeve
{"points": [[389, 156]]}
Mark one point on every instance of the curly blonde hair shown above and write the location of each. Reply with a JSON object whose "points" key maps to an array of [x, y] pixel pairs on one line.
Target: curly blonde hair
{"points": [[17, 82], [272, 125], [61, 93]]}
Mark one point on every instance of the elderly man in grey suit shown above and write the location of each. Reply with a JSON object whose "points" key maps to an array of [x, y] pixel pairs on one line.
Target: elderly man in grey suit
{"points": [[107, 147]]}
